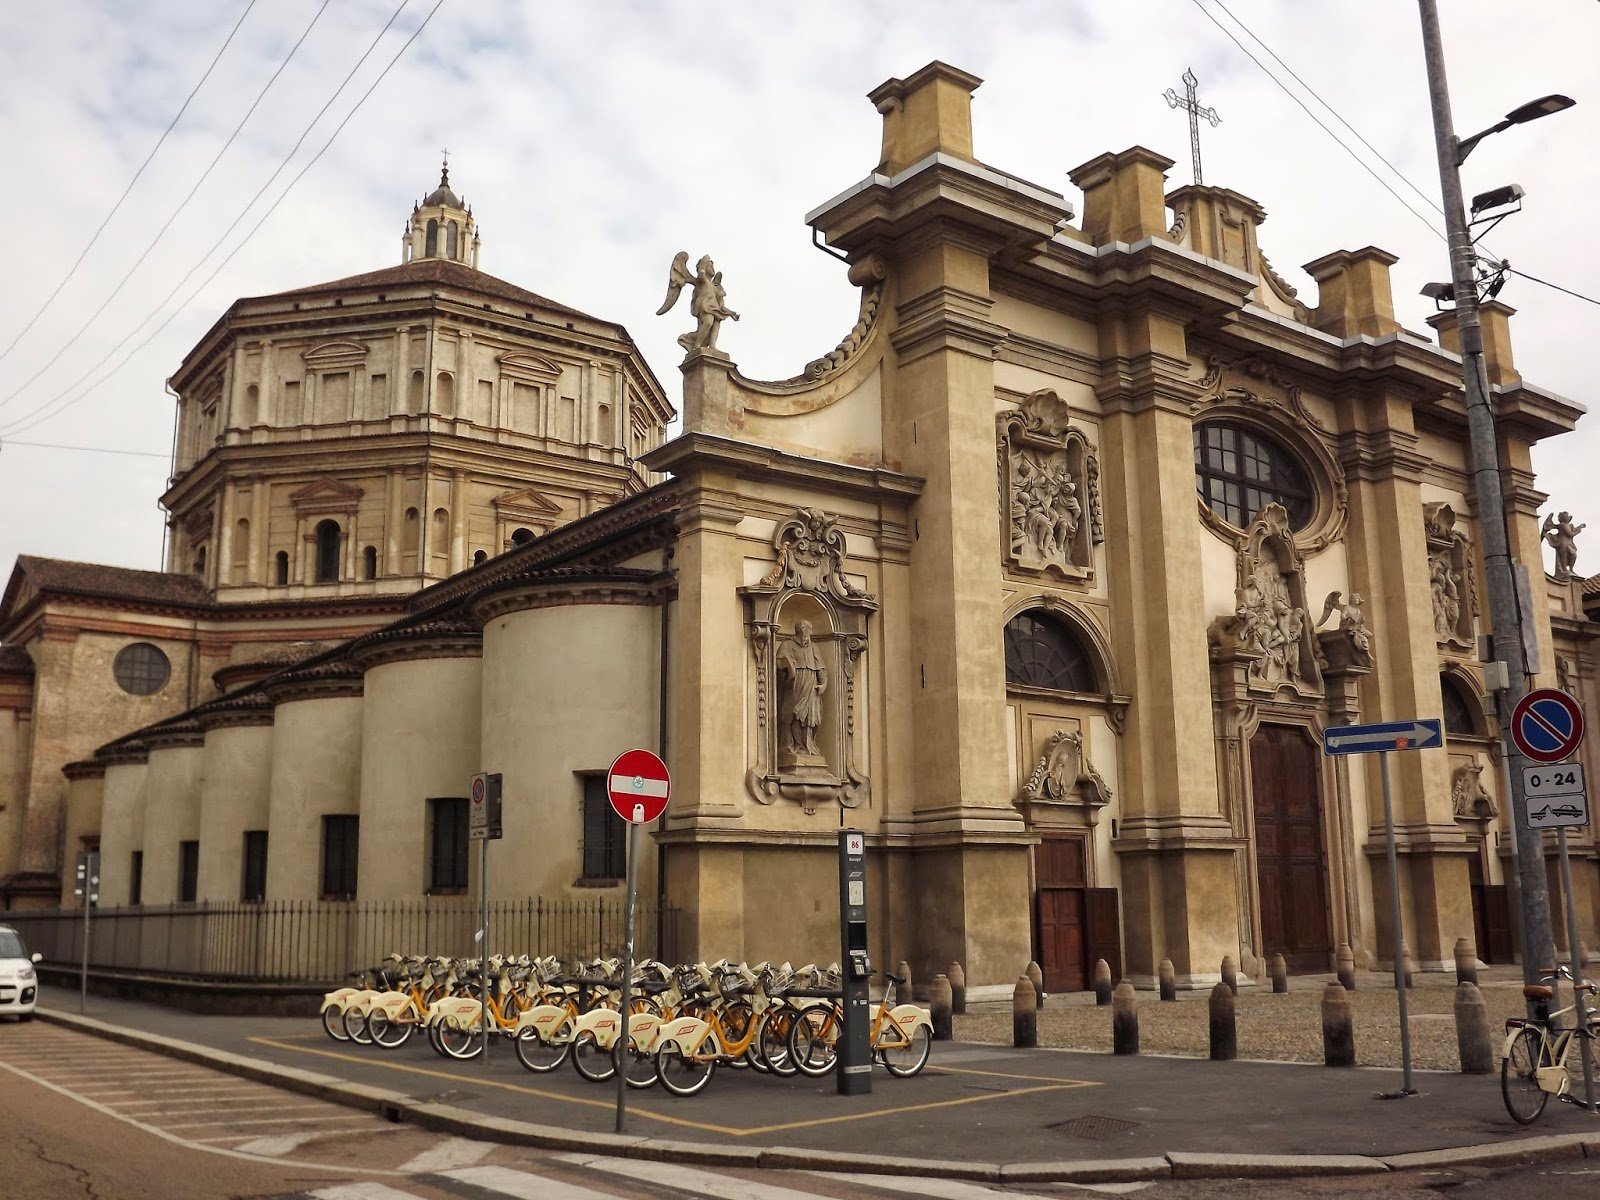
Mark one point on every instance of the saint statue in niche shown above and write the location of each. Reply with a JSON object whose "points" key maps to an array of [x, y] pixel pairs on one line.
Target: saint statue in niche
{"points": [[1446, 584], [805, 680]]}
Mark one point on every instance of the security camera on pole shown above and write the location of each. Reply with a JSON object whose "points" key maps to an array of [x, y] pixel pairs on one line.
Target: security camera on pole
{"points": [[1505, 613]]}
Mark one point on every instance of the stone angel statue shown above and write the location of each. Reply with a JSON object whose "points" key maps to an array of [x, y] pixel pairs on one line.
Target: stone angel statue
{"points": [[1352, 621], [708, 302], [1562, 535]]}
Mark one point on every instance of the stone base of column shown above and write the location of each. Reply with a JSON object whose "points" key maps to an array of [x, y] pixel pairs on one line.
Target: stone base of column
{"points": [[972, 906], [1180, 904]]}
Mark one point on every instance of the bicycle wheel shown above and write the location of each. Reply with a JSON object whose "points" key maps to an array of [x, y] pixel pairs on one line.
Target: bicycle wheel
{"points": [[1519, 1078], [355, 1027], [812, 1040], [905, 1058], [639, 1069], [333, 1024], [539, 1055], [388, 1032], [459, 1042], [680, 1073], [774, 1043], [594, 1064]]}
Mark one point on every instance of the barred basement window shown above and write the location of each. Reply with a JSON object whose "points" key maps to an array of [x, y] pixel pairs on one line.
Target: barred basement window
{"points": [[253, 888], [188, 871], [448, 818], [141, 669], [136, 879], [340, 846], [604, 847]]}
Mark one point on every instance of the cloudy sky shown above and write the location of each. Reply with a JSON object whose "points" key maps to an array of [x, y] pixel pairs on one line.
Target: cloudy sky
{"points": [[596, 140]]}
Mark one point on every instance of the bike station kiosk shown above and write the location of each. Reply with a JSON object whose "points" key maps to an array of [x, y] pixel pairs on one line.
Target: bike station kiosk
{"points": [[855, 1045]]}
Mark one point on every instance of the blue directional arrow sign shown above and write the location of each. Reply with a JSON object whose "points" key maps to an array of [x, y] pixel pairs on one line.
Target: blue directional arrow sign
{"points": [[1419, 733]]}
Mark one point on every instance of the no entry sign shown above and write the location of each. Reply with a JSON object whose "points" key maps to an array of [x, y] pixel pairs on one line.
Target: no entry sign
{"points": [[1547, 725], [639, 786]]}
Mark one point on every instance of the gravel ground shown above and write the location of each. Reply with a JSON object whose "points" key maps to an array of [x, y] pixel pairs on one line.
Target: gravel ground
{"points": [[1285, 1028]]}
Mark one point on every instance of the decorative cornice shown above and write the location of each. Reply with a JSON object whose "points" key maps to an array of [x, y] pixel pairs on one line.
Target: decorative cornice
{"points": [[182, 732], [125, 750], [563, 588], [439, 638], [231, 712], [89, 768], [328, 680]]}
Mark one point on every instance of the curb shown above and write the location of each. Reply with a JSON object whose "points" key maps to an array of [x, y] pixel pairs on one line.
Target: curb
{"points": [[461, 1122]]}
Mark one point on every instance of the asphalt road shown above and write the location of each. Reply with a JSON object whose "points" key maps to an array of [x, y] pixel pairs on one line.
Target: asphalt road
{"points": [[82, 1117]]}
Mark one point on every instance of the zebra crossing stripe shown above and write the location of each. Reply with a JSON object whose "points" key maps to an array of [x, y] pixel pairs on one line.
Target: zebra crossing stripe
{"points": [[452, 1152], [362, 1191], [696, 1181]]}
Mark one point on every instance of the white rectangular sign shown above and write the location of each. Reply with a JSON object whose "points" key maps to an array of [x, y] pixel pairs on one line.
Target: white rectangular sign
{"points": [[1556, 796]]}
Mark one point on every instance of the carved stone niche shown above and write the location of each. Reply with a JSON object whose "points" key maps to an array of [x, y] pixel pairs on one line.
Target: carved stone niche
{"points": [[1050, 489], [1269, 634], [807, 628], [1469, 799], [1065, 778], [1450, 576]]}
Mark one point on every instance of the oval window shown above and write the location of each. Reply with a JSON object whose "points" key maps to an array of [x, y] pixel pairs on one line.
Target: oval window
{"points": [[1238, 471], [141, 669]]}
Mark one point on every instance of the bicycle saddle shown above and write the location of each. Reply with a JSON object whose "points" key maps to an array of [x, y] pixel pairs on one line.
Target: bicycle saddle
{"points": [[1538, 991], [898, 980]]}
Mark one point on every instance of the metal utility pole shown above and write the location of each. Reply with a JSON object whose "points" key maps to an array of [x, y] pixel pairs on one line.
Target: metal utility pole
{"points": [[1538, 947]]}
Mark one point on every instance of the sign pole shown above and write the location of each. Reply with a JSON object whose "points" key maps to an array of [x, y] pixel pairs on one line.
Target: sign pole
{"points": [[627, 977], [1577, 968], [88, 885], [483, 947], [1398, 939]]}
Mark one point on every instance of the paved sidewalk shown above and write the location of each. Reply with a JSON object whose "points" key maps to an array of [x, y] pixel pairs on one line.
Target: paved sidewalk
{"points": [[977, 1110]]}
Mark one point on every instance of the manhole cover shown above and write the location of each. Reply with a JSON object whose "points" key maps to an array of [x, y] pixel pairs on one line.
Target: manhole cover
{"points": [[450, 1097], [1094, 1128]]}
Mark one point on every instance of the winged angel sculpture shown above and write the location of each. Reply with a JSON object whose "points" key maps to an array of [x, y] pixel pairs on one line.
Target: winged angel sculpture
{"points": [[708, 302]]}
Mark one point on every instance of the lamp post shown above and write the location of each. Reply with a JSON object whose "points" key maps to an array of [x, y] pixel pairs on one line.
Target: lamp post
{"points": [[1538, 948]]}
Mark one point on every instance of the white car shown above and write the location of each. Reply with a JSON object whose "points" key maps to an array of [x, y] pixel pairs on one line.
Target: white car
{"points": [[19, 982]]}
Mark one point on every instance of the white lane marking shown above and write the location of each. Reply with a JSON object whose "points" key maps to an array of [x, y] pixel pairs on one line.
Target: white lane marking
{"points": [[696, 1181], [955, 1189], [157, 1131], [362, 1191], [281, 1144], [522, 1186], [452, 1152], [271, 1121]]}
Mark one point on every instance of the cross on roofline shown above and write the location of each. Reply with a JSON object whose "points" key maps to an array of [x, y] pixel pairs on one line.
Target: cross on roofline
{"points": [[1190, 103]]}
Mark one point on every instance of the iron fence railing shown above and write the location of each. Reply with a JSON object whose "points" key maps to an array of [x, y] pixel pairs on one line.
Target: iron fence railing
{"points": [[325, 940]]}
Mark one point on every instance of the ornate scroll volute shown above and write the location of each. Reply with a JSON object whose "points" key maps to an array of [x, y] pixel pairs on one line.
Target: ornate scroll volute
{"points": [[806, 624], [1064, 776], [1450, 576], [1270, 632], [1050, 490]]}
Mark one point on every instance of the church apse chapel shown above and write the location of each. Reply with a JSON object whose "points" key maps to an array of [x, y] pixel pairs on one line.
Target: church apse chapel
{"points": [[1049, 577]]}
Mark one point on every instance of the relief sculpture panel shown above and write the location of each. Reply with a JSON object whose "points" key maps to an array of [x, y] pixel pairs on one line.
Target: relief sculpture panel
{"points": [[1270, 630], [1050, 489], [1449, 576]]}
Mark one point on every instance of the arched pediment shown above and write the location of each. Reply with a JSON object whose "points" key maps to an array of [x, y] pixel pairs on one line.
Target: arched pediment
{"points": [[335, 354], [530, 366]]}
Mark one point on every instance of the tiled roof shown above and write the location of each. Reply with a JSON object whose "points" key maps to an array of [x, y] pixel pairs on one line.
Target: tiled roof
{"points": [[119, 583], [440, 271], [1591, 586]]}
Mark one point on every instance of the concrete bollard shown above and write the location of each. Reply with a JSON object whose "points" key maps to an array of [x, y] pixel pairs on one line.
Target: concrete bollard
{"points": [[958, 989], [1230, 973], [1473, 1040], [1279, 970], [1345, 967], [1024, 1015], [1169, 980], [1338, 1029], [1124, 1019], [1410, 973], [1224, 1029], [1037, 976], [1466, 962], [906, 990], [1102, 982], [939, 1001]]}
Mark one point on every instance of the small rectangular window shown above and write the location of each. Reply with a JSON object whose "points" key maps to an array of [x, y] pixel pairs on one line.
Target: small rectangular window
{"points": [[447, 844], [604, 845], [253, 888], [136, 879], [188, 871], [340, 844]]}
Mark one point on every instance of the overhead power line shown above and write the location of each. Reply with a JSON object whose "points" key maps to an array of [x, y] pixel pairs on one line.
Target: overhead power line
{"points": [[37, 418], [155, 310], [115, 208], [5, 442], [173, 216], [1548, 284]]}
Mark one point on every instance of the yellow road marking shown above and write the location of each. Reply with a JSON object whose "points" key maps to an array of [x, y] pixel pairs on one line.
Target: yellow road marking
{"points": [[1051, 1084]]}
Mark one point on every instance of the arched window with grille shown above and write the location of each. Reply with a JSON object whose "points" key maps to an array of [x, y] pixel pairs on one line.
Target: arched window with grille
{"points": [[1462, 716], [1239, 471], [1044, 652], [327, 551]]}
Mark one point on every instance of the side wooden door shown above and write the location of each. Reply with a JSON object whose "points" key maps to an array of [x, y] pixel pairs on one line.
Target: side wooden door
{"points": [[1291, 865], [1062, 912]]}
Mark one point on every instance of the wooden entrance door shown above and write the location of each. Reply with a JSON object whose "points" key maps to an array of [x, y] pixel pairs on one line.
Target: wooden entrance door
{"points": [[1491, 914], [1059, 867], [1291, 867]]}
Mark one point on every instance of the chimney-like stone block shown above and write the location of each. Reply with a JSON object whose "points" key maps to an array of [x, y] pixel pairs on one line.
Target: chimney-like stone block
{"points": [[1222, 224], [1354, 295], [1495, 320], [929, 111], [1124, 195]]}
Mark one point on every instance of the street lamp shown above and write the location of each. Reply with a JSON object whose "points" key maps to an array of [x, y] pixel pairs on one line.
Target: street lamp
{"points": [[1538, 947]]}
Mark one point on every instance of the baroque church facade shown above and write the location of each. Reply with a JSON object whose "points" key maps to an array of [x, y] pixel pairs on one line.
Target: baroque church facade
{"points": [[1049, 577]]}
